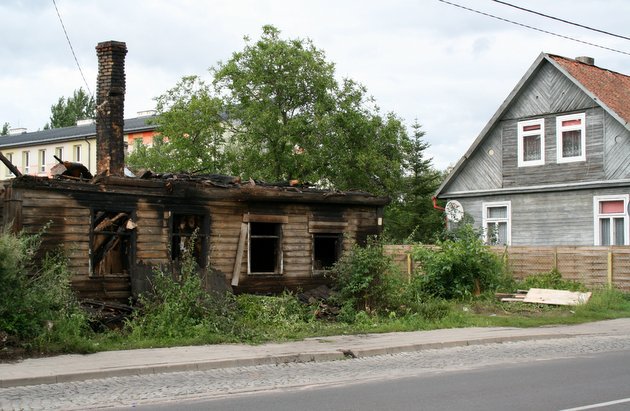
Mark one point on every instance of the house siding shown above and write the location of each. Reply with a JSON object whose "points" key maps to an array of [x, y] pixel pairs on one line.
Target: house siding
{"points": [[483, 168], [547, 218], [553, 172], [616, 149]]}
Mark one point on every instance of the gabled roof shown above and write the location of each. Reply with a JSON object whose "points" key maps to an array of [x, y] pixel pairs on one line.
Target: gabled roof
{"points": [[132, 125], [609, 89]]}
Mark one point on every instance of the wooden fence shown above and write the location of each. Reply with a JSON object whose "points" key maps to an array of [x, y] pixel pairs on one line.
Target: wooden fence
{"points": [[592, 266]]}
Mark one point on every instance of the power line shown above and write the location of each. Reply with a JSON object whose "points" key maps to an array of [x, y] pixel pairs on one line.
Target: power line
{"points": [[562, 20], [534, 28], [72, 49]]}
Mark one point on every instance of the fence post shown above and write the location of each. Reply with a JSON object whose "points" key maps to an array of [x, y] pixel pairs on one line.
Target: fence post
{"points": [[555, 258], [610, 269]]}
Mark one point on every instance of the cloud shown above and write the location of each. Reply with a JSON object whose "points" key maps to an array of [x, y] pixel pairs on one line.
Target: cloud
{"points": [[446, 67]]}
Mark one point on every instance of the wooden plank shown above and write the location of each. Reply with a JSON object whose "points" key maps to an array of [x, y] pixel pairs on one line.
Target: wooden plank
{"points": [[556, 297], [265, 218], [239, 255]]}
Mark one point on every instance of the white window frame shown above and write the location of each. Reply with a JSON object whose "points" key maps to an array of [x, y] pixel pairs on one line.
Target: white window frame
{"points": [[559, 142], [59, 152], [26, 162], [76, 152], [597, 216], [41, 159], [9, 157], [508, 219], [521, 147]]}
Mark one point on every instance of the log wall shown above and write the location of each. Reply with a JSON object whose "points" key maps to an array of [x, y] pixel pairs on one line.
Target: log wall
{"points": [[67, 215]]}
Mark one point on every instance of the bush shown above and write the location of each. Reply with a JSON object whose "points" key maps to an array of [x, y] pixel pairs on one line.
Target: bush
{"points": [[551, 279], [37, 306], [180, 308], [367, 280], [459, 267]]}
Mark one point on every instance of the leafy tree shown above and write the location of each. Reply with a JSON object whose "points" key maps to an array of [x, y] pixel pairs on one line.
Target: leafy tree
{"points": [[5, 129], [191, 130], [275, 111], [70, 109], [282, 94]]}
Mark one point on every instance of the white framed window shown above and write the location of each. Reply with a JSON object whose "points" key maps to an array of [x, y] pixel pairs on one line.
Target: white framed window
{"points": [[26, 162], [497, 225], [41, 156], [571, 138], [59, 152], [9, 157], [611, 219], [531, 143], [77, 153]]}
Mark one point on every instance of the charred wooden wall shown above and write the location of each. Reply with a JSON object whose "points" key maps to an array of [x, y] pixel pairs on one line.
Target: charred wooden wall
{"points": [[67, 209]]}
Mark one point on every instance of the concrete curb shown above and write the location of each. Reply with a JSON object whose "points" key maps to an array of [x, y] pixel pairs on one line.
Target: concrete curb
{"points": [[319, 356]]}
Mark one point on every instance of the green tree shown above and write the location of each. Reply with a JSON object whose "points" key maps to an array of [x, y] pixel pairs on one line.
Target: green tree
{"points": [[70, 109], [411, 216], [191, 131], [281, 92], [275, 111], [5, 129]]}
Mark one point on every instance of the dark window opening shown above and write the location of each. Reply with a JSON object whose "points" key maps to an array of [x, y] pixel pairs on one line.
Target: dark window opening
{"points": [[112, 243], [265, 255], [186, 228], [326, 250]]}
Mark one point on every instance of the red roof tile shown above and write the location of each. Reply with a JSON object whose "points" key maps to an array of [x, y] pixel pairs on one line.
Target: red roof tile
{"points": [[611, 88]]}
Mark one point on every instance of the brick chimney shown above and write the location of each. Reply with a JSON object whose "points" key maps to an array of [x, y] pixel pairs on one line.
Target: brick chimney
{"points": [[110, 108]]}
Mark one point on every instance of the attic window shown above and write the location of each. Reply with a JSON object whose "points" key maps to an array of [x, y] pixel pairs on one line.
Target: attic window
{"points": [[571, 138], [531, 143]]}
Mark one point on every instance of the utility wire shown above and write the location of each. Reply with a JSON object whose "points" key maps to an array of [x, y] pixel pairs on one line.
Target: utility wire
{"points": [[562, 20], [72, 49], [534, 28]]}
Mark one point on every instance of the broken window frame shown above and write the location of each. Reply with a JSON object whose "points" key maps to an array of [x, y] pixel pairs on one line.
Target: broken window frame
{"points": [[277, 221], [268, 232], [319, 267], [202, 235], [127, 236]]}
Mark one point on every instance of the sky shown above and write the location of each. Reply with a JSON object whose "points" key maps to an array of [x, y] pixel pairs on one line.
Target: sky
{"points": [[447, 68]]}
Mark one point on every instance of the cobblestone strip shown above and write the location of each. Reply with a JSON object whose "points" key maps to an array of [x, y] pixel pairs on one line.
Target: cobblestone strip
{"points": [[129, 391]]}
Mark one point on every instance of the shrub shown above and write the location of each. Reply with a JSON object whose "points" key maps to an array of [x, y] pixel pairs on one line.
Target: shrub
{"points": [[459, 267], [551, 279], [367, 280], [180, 307], [37, 306]]}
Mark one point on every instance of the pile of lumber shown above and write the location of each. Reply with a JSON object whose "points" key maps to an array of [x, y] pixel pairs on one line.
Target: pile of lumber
{"points": [[546, 296]]}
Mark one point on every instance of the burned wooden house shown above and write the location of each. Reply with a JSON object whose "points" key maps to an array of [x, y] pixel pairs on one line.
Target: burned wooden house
{"points": [[116, 230]]}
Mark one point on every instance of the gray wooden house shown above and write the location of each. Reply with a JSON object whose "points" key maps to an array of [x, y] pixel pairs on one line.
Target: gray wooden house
{"points": [[552, 166]]}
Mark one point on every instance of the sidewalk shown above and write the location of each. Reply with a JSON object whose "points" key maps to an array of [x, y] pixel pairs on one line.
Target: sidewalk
{"points": [[66, 368]]}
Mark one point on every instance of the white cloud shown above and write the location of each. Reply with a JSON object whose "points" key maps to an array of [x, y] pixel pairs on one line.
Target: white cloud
{"points": [[447, 67]]}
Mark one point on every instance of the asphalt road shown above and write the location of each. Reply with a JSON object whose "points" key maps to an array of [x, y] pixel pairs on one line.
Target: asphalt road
{"points": [[527, 375], [596, 381]]}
